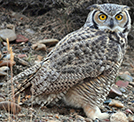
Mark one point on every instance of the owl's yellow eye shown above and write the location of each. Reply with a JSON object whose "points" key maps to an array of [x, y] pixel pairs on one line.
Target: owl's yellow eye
{"points": [[118, 17], [102, 17]]}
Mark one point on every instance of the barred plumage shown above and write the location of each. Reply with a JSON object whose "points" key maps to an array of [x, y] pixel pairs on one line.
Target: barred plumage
{"points": [[83, 65]]}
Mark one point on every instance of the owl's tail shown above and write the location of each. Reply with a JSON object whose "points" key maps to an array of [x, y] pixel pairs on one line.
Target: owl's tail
{"points": [[22, 80]]}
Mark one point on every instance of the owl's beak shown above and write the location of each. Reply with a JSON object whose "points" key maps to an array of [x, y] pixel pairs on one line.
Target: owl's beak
{"points": [[111, 24]]}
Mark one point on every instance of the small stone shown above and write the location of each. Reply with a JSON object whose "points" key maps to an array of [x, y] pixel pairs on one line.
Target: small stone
{"points": [[107, 101], [127, 72], [122, 83], [32, 110], [4, 44], [29, 44], [38, 46], [22, 55], [118, 117], [4, 68], [129, 111], [21, 115], [126, 77], [122, 89], [25, 49], [6, 63], [132, 101], [7, 57], [37, 62], [53, 121], [129, 103], [3, 73], [49, 41], [57, 116], [21, 38], [131, 83], [30, 31], [114, 92], [116, 103], [0, 55], [11, 26], [88, 120], [8, 33], [80, 117]]}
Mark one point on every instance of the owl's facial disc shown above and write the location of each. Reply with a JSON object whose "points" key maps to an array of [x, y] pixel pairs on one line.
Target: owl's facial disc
{"points": [[114, 23]]}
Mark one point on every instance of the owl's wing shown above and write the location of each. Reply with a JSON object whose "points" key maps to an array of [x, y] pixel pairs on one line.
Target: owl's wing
{"points": [[81, 54]]}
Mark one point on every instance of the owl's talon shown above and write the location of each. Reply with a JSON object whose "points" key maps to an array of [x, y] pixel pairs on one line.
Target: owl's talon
{"points": [[95, 113]]}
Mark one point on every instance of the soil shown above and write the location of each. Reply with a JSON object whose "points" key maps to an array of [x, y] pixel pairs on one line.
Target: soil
{"points": [[52, 24]]}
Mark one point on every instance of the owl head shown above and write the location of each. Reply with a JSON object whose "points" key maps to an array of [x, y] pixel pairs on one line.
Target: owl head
{"points": [[109, 17]]}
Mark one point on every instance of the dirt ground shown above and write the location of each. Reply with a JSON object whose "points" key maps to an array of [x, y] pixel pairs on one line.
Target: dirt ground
{"points": [[46, 26]]}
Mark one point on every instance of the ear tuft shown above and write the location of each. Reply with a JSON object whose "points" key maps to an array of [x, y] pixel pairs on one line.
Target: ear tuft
{"points": [[92, 7], [126, 7]]}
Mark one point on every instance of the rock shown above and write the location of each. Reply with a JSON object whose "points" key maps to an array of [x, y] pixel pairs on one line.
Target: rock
{"points": [[107, 101], [29, 44], [122, 89], [25, 49], [131, 83], [7, 57], [114, 92], [4, 44], [88, 120], [11, 26], [129, 111], [49, 41], [126, 77], [22, 55], [132, 109], [30, 31], [127, 72], [10, 107], [57, 116], [80, 117], [3, 73], [37, 62], [116, 103], [21, 38], [118, 117], [53, 121], [21, 115], [7, 63], [4, 68], [8, 33], [121, 83], [0, 55], [39, 46]]}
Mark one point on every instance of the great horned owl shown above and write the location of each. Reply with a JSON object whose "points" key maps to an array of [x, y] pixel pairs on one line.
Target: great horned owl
{"points": [[83, 65]]}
